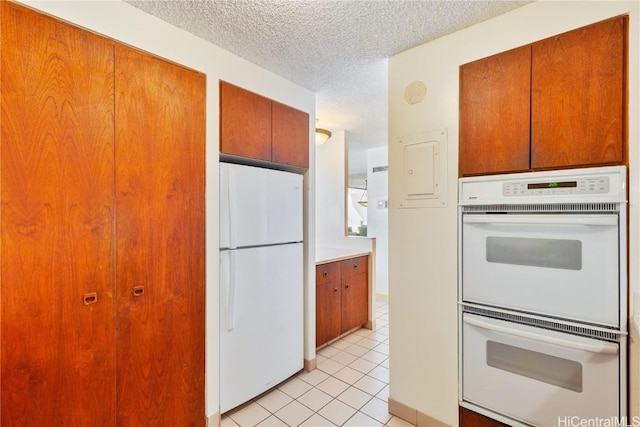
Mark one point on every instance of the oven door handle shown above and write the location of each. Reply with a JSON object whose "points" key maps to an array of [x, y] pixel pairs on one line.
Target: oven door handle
{"points": [[601, 348], [606, 220]]}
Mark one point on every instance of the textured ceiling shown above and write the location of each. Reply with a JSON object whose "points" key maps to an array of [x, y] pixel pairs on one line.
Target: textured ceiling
{"points": [[336, 48]]}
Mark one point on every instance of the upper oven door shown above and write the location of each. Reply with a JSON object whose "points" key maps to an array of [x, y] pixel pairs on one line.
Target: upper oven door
{"points": [[562, 265]]}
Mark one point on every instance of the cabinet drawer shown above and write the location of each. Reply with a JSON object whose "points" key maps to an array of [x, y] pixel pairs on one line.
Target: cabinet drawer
{"points": [[326, 273], [355, 266]]}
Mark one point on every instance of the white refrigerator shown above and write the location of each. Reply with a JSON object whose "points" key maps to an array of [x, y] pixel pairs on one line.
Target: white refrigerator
{"points": [[261, 280]]}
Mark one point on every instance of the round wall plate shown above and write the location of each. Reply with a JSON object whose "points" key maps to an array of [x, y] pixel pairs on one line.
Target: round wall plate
{"points": [[415, 92]]}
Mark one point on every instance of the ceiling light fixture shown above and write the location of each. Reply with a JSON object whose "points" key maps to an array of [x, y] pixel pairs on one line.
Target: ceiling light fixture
{"points": [[322, 135]]}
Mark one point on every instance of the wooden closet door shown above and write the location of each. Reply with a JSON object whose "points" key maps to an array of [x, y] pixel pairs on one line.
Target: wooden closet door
{"points": [[160, 135], [58, 358]]}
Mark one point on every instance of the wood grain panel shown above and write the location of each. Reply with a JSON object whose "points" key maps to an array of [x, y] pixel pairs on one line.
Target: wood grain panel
{"points": [[355, 299], [494, 113], [578, 97], [58, 357], [289, 135], [328, 312], [245, 123], [160, 123], [469, 418], [354, 266], [329, 272]]}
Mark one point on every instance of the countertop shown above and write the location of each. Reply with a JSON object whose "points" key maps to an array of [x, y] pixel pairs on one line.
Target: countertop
{"points": [[325, 255]]}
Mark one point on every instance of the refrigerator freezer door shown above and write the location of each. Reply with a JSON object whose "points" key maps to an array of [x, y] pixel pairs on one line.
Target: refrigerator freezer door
{"points": [[261, 320], [259, 206]]}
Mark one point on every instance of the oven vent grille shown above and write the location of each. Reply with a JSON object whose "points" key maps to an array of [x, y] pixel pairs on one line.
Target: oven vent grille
{"points": [[545, 207], [546, 324]]}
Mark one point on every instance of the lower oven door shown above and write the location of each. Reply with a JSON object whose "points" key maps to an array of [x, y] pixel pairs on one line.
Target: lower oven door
{"points": [[536, 376], [561, 265]]}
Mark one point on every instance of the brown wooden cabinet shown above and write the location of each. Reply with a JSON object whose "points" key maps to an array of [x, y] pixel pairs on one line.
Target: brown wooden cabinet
{"points": [[355, 292], [328, 302], [556, 103], [469, 418], [102, 261], [342, 295], [256, 127], [578, 97]]}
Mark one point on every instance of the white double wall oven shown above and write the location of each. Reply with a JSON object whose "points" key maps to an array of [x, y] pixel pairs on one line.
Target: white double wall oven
{"points": [[543, 295]]}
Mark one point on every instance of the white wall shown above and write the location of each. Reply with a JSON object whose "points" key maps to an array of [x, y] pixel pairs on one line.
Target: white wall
{"points": [[331, 163], [378, 191], [423, 242], [129, 25]]}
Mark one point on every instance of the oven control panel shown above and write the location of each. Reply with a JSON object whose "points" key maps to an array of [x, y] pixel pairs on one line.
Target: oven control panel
{"points": [[583, 185], [596, 184]]}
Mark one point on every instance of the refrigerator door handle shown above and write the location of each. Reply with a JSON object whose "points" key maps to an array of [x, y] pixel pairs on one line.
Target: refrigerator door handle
{"points": [[228, 284], [232, 208]]}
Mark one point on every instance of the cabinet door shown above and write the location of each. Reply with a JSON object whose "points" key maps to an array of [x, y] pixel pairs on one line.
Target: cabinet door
{"points": [[160, 134], [328, 312], [494, 113], [245, 123], [578, 97], [58, 357], [354, 301], [290, 136], [469, 418]]}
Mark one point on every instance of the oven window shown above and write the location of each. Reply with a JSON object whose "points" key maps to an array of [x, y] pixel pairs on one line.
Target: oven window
{"points": [[538, 366], [551, 253]]}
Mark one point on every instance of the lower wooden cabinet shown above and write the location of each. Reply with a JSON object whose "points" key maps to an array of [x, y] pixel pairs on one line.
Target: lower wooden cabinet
{"points": [[341, 297], [469, 418]]}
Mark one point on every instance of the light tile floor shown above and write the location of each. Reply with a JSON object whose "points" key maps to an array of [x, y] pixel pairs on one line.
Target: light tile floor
{"points": [[350, 387]]}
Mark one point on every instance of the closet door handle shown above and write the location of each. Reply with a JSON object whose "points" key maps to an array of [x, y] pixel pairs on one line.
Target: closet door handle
{"points": [[90, 298], [138, 291]]}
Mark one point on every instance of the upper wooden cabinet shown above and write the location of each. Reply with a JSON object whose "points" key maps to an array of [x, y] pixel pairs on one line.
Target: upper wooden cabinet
{"points": [[556, 103], [258, 128], [578, 95], [494, 113], [245, 123]]}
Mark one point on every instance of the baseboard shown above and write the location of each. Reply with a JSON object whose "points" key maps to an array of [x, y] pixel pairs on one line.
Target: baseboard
{"points": [[213, 420], [310, 365], [413, 416], [425, 420], [403, 411], [371, 324]]}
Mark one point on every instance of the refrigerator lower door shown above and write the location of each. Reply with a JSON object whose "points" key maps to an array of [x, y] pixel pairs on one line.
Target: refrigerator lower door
{"points": [[261, 324]]}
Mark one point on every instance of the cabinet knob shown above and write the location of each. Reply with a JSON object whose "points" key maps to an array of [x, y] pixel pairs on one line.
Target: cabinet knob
{"points": [[346, 286], [325, 273], [90, 298], [138, 291], [355, 266], [335, 289]]}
